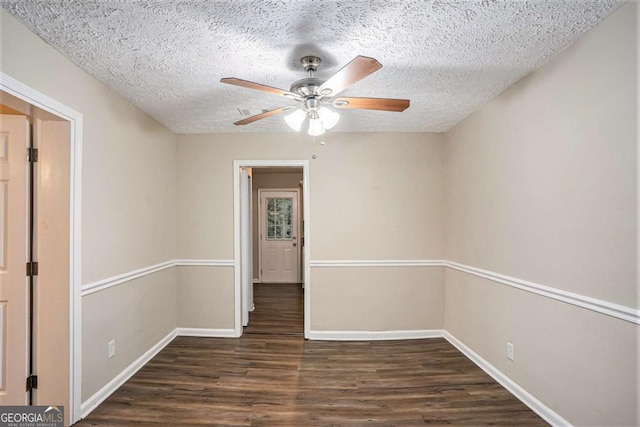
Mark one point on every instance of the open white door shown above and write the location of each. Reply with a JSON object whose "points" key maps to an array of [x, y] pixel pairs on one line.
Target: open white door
{"points": [[13, 260], [52, 199], [246, 245]]}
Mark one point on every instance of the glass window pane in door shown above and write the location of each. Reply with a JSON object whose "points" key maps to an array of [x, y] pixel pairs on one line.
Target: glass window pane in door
{"points": [[279, 218]]}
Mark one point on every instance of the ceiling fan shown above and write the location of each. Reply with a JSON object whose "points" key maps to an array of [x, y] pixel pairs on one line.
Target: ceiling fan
{"points": [[314, 94]]}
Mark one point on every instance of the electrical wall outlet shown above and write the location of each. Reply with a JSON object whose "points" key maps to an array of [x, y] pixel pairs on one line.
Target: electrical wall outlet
{"points": [[112, 348], [509, 351]]}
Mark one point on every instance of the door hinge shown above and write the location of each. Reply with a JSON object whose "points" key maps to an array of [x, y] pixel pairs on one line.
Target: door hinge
{"points": [[32, 155], [32, 269], [32, 382]]}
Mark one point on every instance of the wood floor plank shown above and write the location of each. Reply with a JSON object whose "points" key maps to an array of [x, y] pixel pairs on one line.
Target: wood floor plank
{"points": [[279, 308], [273, 377]]}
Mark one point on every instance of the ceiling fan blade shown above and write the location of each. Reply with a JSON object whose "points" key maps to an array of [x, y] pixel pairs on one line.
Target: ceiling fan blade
{"points": [[261, 116], [356, 70], [257, 86], [383, 104]]}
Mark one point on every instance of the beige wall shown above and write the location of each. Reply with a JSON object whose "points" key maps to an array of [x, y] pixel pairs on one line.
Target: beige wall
{"points": [[137, 315], [541, 184], [552, 162], [377, 298], [581, 364], [364, 205], [205, 299], [270, 180], [128, 205]]}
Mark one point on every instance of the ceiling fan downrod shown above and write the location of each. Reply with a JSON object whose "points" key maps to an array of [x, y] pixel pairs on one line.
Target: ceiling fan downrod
{"points": [[310, 64]]}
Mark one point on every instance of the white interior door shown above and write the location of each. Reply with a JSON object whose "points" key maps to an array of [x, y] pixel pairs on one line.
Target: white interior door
{"points": [[247, 245], [13, 259], [52, 199], [279, 249]]}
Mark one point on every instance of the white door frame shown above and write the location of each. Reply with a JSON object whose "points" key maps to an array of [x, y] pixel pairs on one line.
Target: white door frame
{"points": [[261, 226], [246, 245], [237, 165], [20, 90]]}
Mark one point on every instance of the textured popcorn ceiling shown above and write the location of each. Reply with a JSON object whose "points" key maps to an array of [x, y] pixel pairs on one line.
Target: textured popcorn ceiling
{"points": [[448, 57]]}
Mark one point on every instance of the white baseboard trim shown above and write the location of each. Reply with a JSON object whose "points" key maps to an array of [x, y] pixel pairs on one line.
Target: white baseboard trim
{"points": [[204, 332], [375, 335], [546, 413], [101, 395]]}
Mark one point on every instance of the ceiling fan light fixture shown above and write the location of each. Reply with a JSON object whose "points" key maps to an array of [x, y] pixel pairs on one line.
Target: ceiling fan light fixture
{"points": [[329, 118], [295, 119], [315, 127]]}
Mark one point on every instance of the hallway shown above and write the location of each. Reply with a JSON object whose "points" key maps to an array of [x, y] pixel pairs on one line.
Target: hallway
{"points": [[279, 309]]}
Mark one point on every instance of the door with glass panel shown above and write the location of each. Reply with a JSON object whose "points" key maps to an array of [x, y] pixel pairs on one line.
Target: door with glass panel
{"points": [[279, 245]]}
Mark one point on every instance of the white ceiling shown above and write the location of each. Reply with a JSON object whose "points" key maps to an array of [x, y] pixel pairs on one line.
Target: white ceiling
{"points": [[448, 57]]}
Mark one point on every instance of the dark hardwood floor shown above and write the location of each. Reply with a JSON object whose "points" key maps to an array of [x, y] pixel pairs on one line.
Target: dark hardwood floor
{"points": [[267, 378], [279, 309]]}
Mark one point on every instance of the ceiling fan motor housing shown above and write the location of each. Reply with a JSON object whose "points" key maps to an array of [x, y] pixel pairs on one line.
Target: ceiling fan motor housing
{"points": [[306, 87]]}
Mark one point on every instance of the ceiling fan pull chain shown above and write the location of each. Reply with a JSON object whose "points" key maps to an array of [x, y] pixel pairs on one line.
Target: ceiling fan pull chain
{"points": [[313, 147]]}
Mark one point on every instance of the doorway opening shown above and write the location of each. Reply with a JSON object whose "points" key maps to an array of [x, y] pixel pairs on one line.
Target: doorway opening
{"points": [[271, 225], [39, 202]]}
